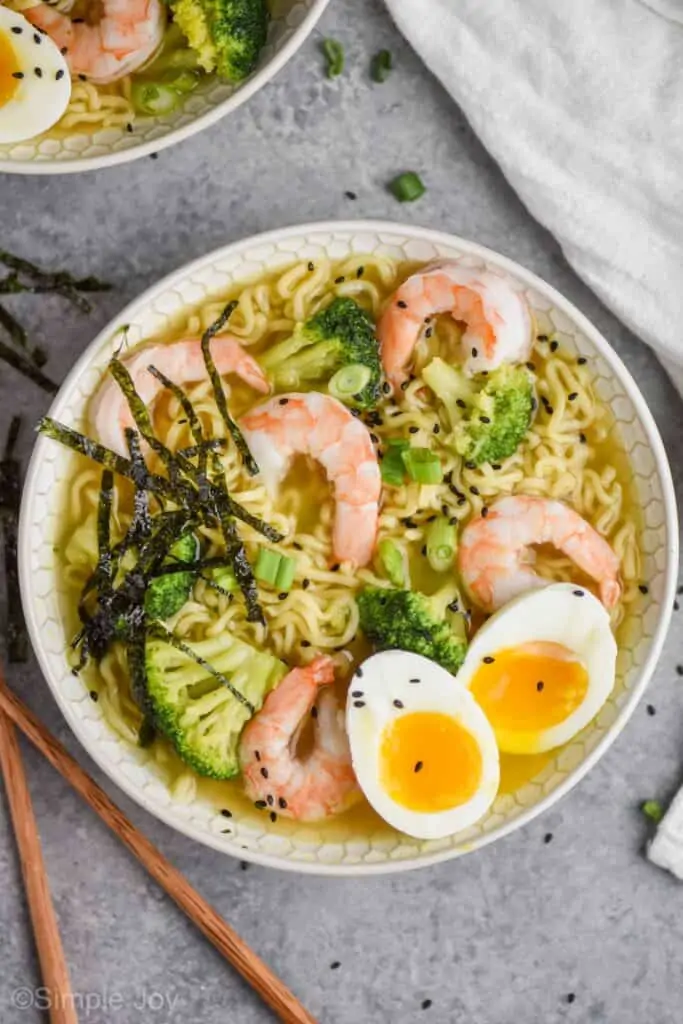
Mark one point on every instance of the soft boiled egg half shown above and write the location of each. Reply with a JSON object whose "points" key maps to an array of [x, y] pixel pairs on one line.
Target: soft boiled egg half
{"points": [[35, 84], [423, 751], [542, 667]]}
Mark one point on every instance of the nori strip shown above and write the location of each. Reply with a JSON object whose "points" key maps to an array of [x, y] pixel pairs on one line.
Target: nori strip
{"points": [[219, 393], [159, 632], [60, 281], [242, 568], [147, 733], [10, 496], [24, 365], [13, 328], [105, 563]]}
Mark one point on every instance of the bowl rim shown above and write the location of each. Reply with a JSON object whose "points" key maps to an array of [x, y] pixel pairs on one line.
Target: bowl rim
{"points": [[243, 93], [596, 339]]}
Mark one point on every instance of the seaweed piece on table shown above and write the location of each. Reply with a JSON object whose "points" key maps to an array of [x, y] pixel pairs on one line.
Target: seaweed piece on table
{"points": [[219, 393], [10, 495], [60, 281], [23, 364]]}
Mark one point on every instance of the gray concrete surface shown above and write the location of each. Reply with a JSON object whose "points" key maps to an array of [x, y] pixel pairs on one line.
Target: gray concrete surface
{"points": [[501, 937]]}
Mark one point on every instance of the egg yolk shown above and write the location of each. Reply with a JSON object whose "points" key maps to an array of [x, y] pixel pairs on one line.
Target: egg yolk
{"points": [[429, 762], [8, 67], [530, 688]]}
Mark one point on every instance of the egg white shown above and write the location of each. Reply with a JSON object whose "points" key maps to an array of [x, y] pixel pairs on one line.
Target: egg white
{"points": [[561, 613], [385, 678], [42, 95]]}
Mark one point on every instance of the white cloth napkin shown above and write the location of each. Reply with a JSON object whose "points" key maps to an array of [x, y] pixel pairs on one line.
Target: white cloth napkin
{"points": [[581, 104]]}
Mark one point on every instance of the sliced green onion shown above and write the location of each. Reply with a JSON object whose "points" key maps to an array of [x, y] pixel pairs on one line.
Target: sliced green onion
{"points": [[407, 187], [153, 98], [653, 810], [267, 565], [276, 569], [285, 573], [422, 465], [441, 544], [349, 381], [182, 80], [393, 562], [392, 469], [224, 577], [334, 53], [182, 58], [380, 66]]}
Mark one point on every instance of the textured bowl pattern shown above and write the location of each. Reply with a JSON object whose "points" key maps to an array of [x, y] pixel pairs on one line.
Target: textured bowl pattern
{"points": [[83, 150], [302, 848]]}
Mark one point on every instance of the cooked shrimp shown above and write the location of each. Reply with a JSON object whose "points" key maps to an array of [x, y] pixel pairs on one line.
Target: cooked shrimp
{"points": [[493, 555], [320, 426], [183, 363], [125, 36], [499, 328], [324, 782]]}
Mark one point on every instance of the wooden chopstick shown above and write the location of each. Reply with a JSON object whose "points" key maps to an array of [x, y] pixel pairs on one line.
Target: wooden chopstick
{"points": [[53, 968], [210, 923]]}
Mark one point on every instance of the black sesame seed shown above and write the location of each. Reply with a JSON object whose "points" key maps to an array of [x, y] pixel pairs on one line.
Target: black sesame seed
{"points": [[423, 550], [444, 510], [374, 438], [356, 693], [578, 593], [78, 21], [260, 804], [335, 965], [470, 465], [305, 643], [548, 838], [462, 500], [359, 672], [496, 465], [676, 606], [83, 78], [359, 703], [413, 680], [651, 710], [339, 280], [129, 128], [282, 803], [398, 704], [474, 353], [336, 567], [284, 401], [17, 74], [305, 584], [643, 588], [314, 712], [264, 772], [282, 596], [350, 195], [549, 409], [17, 29], [226, 831], [554, 345], [429, 332], [64, 50], [539, 686], [531, 366], [297, 546], [257, 755], [436, 429], [311, 267], [270, 800], [484, 512], [413, 430], [243, 865], [474, 490], [226, 813], [59, 74], [418, 766], [37, 39], [404, 386], [570, 997], [273, 816], [573, 396], [401, 304], [582, 438], [453, 521], [541, 337], [94, 696], [386, 388], [582, 361], [425, 1004], [484, 419], [453, 606], [360, 271], [679, 670]]}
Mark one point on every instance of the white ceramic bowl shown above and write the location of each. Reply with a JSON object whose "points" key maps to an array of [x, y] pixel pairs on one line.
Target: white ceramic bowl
{"points": [[84, 150], [302, 848]]}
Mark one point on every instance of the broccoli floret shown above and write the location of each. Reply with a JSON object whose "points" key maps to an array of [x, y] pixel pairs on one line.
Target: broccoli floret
{"points": [[167, 594], [340, 337], [197, 712], [490, 415], [405, 620], [226, 35]]}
